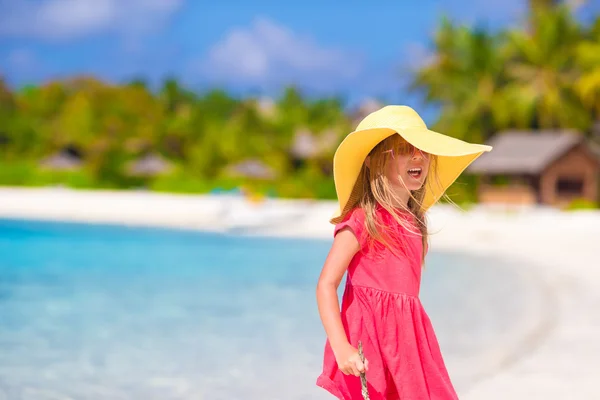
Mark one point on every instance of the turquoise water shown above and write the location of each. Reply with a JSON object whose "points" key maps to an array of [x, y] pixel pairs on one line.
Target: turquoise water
{"points": [[109, 312]]}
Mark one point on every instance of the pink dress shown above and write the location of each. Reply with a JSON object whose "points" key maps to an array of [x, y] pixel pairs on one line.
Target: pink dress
{"points": [[381, 308]]}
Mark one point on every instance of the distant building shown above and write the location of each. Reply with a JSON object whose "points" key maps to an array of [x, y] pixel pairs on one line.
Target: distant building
{"points": [[365, 108], [67, 159], [545, 167], [149, 165], [304, 144], [251, 169], [266, 107]]}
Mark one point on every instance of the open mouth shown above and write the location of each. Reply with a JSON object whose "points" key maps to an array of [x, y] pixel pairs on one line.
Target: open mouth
{"points": [[415, 172]]}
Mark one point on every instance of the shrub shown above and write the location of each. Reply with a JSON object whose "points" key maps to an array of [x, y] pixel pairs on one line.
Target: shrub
{"points": [[582, 204]]}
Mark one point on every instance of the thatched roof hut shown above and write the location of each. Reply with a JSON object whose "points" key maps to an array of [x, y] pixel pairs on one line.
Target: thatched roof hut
{"points": [[149, 165], [252, 169], [266, 107], [307, 144], [304, 144], [365, 108], [67, 159]]}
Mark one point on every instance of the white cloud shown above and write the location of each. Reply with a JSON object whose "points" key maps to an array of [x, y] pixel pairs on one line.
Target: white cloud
{"points": [[268, 52], [69, 19]]}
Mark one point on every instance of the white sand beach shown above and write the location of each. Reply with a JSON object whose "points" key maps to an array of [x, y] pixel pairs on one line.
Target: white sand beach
{"points": [[556, 355]]}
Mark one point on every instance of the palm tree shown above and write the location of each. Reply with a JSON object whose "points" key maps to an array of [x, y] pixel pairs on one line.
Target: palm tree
{"points": [[588, 58], [173, 95], [541, 69], [463, 78]]}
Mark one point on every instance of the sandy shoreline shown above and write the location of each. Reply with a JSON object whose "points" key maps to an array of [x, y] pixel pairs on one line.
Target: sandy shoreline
{"points": [[558, 356]]}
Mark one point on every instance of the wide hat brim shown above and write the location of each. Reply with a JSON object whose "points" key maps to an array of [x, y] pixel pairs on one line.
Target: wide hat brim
{"points": [[453, 155]]}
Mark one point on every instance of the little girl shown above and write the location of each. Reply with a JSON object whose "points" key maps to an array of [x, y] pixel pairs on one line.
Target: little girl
{"points": [[387, 174]]}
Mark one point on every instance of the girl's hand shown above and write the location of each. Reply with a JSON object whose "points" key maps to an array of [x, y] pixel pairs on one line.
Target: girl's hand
{"points": [[349, 362]]}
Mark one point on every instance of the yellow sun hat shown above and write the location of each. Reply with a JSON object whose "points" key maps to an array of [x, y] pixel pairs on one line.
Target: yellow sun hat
{"points": [[453, 155]]}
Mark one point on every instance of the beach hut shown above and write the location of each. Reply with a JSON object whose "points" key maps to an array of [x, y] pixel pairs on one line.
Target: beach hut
{"points": [[328, 140], [307, 144], [365, 108], [67, 159], [304, 144], [542, 167], [266, 107], [150, 165], [251, 169]]}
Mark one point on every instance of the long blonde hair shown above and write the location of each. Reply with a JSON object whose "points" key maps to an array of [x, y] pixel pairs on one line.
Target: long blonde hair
{"points": [[378, 191]]}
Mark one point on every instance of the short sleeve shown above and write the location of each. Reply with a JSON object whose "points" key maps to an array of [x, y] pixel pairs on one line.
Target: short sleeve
{"points": [[355, 220]]}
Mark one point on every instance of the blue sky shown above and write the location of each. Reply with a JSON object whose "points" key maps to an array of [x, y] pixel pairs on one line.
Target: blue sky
{"points": [[355, 48]]}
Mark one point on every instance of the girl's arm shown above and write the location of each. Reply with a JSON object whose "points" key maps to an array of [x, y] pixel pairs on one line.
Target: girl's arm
{"points": [[345, 245]]}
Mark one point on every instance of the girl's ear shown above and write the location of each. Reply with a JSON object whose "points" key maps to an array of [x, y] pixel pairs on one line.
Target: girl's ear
{"points": [[368, 161]]}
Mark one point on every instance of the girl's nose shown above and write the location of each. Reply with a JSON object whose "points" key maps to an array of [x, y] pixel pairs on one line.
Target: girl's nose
{"points": [[417, 154]]}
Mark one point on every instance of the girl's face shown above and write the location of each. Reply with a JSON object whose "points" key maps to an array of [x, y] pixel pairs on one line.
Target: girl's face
{"points": [[407, 167]]}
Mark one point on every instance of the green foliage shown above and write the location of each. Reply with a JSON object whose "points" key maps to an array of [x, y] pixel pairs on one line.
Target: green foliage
{"points": [[181, 184], [464, 78], [463, 191], [199, 135], [27, 173], [544, 74], [582, 204], [500, 180], [17, 173], [73, 179], [542, 68]]}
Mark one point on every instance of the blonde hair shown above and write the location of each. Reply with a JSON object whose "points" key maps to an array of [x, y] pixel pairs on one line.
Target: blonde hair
{"points": [[379, 191]]}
